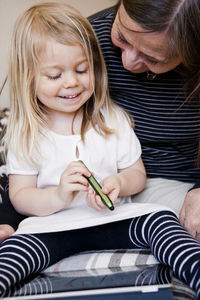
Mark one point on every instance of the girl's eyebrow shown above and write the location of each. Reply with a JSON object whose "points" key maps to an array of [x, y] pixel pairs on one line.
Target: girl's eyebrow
{"points": [[58, 66], [50, 67]]}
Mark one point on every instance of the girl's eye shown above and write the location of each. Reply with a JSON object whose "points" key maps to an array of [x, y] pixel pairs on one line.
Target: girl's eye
{"points": [[81, 71], [54, 77]]}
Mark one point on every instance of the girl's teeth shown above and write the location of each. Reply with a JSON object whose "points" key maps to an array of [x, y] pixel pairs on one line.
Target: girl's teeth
{"points": [[69, 97]]}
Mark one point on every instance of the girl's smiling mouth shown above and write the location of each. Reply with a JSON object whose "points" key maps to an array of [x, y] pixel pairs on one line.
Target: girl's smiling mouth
{"points": [[70, 97]]}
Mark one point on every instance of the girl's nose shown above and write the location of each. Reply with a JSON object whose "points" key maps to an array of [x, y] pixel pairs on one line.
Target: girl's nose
{"points": [[70, 80]]}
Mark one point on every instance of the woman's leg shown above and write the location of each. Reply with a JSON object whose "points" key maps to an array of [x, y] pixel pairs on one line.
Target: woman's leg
{"points": [[170, 193], [170, 243]]}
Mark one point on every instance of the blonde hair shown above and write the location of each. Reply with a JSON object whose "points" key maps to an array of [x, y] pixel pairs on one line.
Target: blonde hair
{"points": [[33, 28]]}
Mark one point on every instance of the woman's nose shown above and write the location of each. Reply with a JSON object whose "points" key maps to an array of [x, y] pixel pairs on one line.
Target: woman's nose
{"points": [[130, 57]]}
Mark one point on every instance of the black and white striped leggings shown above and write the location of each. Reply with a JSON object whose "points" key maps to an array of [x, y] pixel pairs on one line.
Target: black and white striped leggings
{"points": [[161, 232]]}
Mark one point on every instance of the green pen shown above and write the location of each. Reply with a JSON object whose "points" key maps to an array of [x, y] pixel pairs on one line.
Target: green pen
{"points": [[97, 188]]}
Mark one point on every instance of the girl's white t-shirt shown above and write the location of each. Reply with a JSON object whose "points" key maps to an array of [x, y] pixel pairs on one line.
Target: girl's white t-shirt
{"points": [[103, 157]]}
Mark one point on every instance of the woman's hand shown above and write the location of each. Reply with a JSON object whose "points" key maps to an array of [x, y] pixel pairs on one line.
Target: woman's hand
{"points": [[110, 186], [190, 213]]}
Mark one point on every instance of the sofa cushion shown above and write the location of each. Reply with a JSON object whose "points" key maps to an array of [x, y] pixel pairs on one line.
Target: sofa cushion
{"points": [[3, 177]]}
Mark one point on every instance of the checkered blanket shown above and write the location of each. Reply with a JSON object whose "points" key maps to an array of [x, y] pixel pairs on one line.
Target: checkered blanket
{"points": [[106, 262], [107, 259], [103, 269]]}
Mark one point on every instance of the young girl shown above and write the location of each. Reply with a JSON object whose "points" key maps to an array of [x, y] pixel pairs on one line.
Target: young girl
{"points": [[61, 113]]}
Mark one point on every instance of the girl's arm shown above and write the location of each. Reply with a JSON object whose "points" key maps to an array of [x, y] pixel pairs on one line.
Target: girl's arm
{"points": [[132, 179], [127, 182], [29, 200], [32, 201]]}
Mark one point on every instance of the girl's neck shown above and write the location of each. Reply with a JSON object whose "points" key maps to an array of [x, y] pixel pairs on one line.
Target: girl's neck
{"points": [[65, 124]]}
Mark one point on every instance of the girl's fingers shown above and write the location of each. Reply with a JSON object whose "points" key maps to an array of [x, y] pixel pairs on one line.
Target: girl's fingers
{"points": [[76, 178], [94, 201], [90, 197], [77, 167], [99, 203], [76, 187]]}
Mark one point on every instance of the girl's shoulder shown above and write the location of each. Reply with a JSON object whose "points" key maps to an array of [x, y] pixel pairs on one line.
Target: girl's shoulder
{"points": [[117, 118]]}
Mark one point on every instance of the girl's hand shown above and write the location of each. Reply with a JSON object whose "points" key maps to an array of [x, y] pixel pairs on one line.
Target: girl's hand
{"points": [[72, 181], [110, 186], [42, 202]]}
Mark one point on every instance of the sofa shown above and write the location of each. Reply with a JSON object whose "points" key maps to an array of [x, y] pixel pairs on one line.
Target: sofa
{"points": [[95, 269]]}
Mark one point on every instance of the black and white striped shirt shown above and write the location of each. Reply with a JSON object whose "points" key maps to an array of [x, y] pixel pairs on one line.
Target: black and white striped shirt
{"points": [[167, 128]]}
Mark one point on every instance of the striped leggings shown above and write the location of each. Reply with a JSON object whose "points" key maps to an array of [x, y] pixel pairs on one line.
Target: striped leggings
{"points": [[161, 232]]}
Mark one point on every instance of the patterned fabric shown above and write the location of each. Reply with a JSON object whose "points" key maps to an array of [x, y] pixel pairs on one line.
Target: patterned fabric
{"points": [[3, 178], [107, 259], [107, 262], [71, 272]]}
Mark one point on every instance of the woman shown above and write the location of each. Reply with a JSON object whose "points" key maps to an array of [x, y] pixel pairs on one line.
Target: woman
{"points": [[155, 76]]}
